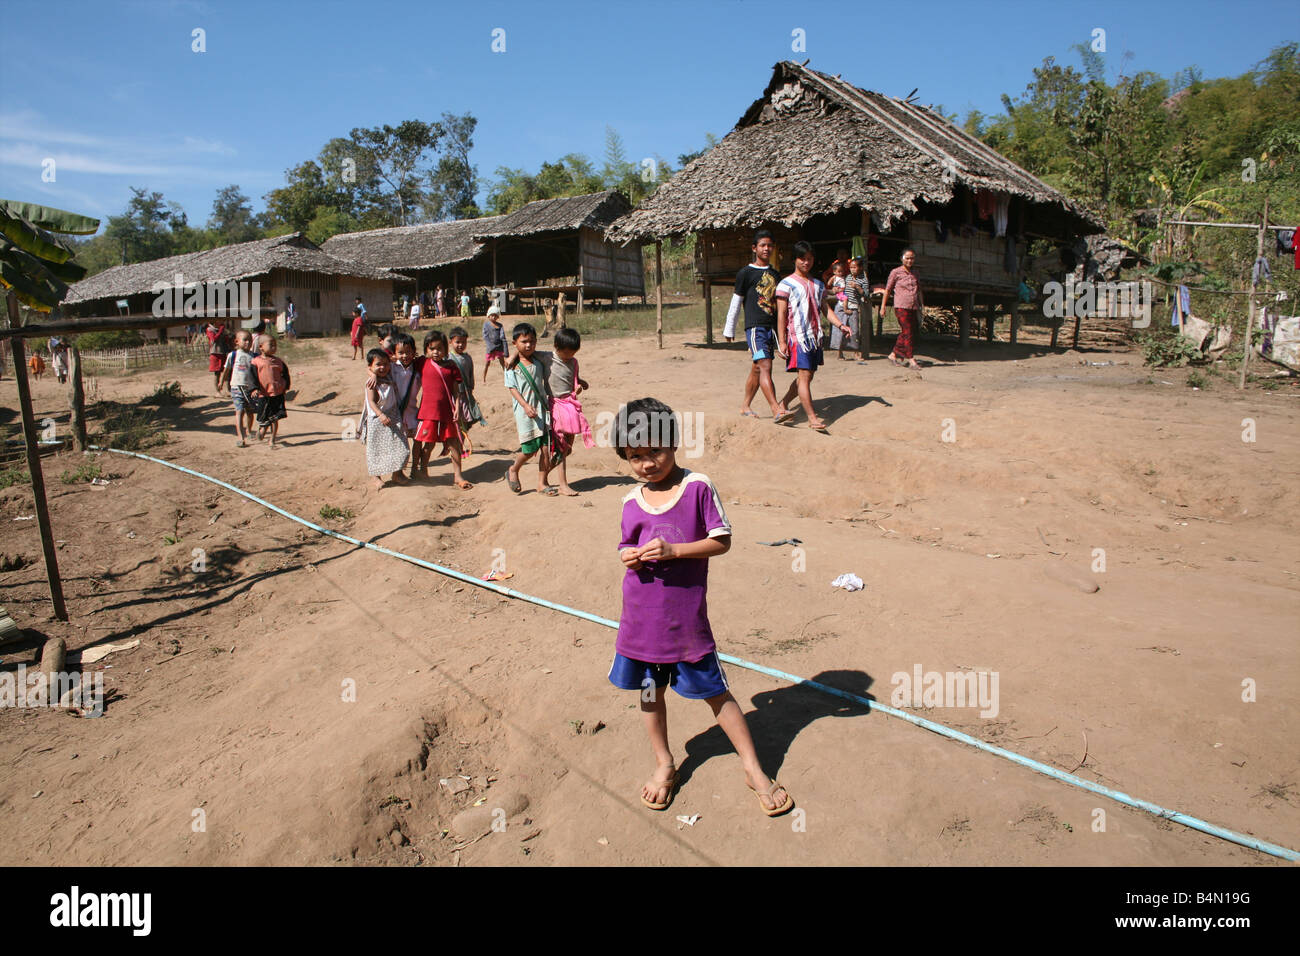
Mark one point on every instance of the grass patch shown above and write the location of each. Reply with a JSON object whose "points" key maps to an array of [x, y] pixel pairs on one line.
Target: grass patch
{"points": [[82, 473], [127, 427], [331, 513], [1196, 380], [1167, 349], [14, 475]]}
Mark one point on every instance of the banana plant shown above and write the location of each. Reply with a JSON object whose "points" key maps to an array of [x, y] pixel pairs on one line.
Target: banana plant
{"points": [[34, 262]]}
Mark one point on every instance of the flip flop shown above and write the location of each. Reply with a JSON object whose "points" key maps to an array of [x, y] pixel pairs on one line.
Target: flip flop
{"points": [[514, 485], [778, 810], [784, 418], [748, 415], [672, 791], [819, 428], [549, 491]]}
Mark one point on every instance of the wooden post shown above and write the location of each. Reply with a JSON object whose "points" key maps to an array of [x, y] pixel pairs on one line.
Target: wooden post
{"points": [[1013, 310], [708, 311], [964, 323], [494, 263], [989, 321], [613, 275], [1250, 313], [76, 399], [659, 292], [34, 464]]}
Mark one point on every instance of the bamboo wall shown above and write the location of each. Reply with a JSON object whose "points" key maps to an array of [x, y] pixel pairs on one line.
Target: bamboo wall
{"points": [[962, 261], [721, 253], [603, 262]]}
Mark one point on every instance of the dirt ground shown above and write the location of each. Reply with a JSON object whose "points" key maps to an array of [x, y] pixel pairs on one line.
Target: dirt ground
{"points": [[228, 739]]}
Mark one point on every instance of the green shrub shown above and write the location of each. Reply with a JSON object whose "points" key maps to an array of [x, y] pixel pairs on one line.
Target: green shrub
{"points": [[14, 475], [1166, 349], [331, 513], [109, 340], [83, 473], [168, 393]]}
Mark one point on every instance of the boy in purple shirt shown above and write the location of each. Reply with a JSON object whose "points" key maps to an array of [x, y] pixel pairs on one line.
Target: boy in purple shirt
{"points": [[671, 526]]}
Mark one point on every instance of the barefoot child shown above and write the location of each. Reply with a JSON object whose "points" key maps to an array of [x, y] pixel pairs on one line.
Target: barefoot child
{"points": [[272, 382], [386, 451], [358, 332], [800, 300], [438, 380], [405, 371], [36, 365], [470, 413], [671, 526], [494, 341], [527, 382], [241, 378]]}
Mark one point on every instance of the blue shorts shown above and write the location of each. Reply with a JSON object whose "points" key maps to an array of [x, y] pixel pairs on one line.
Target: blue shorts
{"points": [[762, 343], [242, 398], [698, 681], [808, 359]]}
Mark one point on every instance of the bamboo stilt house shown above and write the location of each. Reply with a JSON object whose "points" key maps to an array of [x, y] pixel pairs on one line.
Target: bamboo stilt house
{"points": [[818, 159], [248, 277], [554, 245]]}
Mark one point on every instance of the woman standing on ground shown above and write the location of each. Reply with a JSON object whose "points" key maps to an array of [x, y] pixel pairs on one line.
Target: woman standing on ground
{"points": [[908, 303]]}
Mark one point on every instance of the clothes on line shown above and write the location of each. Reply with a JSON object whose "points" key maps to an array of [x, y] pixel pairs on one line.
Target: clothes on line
{"points": [[1261, 271], [1183, 299]]}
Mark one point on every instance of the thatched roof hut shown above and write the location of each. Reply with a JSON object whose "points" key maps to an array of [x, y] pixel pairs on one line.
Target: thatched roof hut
{"points": [[819, 159], [814, 145], [413, 249], [564, 214], [277, 267]]}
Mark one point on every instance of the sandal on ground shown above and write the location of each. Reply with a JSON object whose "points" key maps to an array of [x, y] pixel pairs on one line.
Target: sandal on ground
{"points": [[748, 414], [549, 491], [784, 418], [672, 791], [514, 485], [774, 811]]}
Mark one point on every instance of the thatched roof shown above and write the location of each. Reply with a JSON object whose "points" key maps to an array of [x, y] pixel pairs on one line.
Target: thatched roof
{"points": [[814, 144], [426, 246], [595, 210], [243, 260]]}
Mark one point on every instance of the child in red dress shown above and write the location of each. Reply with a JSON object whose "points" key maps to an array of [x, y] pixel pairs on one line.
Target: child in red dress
{"points": [[439, 379]]}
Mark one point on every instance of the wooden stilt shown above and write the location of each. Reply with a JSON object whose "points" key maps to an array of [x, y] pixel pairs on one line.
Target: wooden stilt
{"points": [[967, 316], [659, 292], [34, 464], [1250, 314], [708, 312], [988, 322], [1013, 311], [76, 399]]}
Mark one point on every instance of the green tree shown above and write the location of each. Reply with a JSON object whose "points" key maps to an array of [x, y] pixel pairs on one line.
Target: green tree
{"points": [[453, 182], [232, 217]]}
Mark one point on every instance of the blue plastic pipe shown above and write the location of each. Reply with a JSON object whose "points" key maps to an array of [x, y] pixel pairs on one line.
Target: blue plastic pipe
{"points": [[1173, 815]]}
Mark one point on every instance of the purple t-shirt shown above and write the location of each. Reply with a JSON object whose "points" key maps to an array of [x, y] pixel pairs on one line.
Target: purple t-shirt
{"points": [[665, 616]]}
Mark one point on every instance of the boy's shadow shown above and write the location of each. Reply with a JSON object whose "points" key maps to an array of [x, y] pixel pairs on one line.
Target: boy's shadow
{"points": [[778, 717]]}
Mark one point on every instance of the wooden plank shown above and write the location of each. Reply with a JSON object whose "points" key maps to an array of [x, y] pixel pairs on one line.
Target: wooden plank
{"points": [[708, 312], [659, 292]]}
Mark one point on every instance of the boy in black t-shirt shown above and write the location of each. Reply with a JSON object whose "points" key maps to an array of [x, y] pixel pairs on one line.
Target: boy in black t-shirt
{"points": [[755, 294]]}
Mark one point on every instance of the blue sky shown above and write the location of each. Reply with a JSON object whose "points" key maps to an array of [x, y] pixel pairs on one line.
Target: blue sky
{"points": [[114, 93]]}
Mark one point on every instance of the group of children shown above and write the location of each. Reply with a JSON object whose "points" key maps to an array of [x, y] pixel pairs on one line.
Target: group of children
{"points": [[414, 403]]}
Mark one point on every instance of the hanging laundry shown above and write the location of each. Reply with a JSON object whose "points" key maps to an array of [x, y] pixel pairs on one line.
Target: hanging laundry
{"points": [[1026, 293], [940, 233], [1284, 239], [1183, 299], [985, 202], [1000, 211], [1261, 272], [1010, 260], [859, 249]]}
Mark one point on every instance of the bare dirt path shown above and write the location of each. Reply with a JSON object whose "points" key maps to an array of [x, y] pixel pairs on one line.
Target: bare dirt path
{"points": [[232, 710]]}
